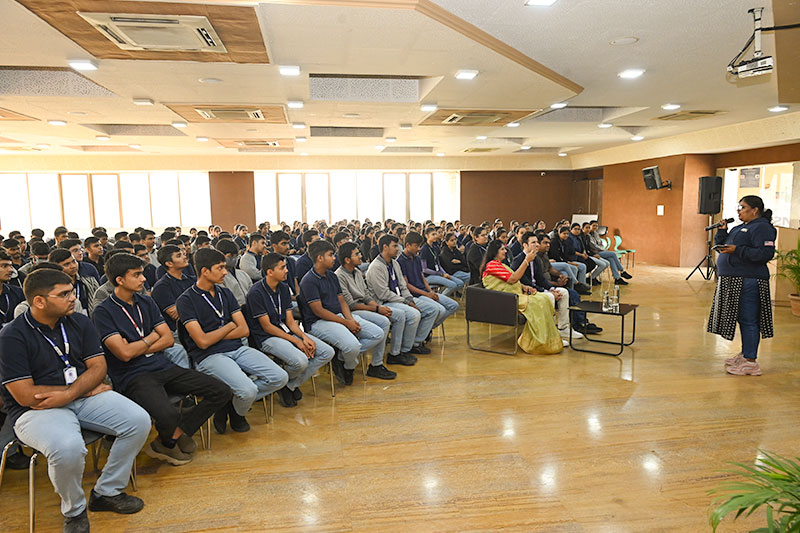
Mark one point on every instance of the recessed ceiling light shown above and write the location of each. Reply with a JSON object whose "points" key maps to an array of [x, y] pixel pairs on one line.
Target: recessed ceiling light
{"points": [[57, 122], [103, 138], [513, 125], [391, 139], [289, 70], [202, 139], [380, 147], [135, 146], [481, 137], [631, 73], [351, 115], [295, 104], [670, 107], [178, 124], [77, 113], [604, 125], [209, 80], [558, 105], [623, 41], [298, 125], [301, 139], [142, 101], [562, 154], [429, 108], [637, 138], [525, 147], [84, 65], [466, 74], [540, 3], [42, 146], [303, 153], [439, 154], [405, 126], [778, 108]]}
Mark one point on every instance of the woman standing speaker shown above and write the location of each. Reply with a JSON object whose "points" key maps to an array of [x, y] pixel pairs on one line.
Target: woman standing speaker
{"points": [[742, 293]]}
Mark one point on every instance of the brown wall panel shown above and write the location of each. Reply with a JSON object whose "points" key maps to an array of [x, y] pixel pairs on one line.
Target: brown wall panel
{"points": [[759, 156], [693, 237], [232, 199]]}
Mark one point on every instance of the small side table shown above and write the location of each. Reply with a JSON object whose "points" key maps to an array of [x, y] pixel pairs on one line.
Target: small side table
{"points": [[597, 308]]}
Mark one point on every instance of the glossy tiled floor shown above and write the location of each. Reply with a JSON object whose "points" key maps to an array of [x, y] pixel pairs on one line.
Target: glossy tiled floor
{"points": [[472, 441]]}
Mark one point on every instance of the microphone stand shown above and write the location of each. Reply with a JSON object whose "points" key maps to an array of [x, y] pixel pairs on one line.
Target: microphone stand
{"points": [[711, 266]]}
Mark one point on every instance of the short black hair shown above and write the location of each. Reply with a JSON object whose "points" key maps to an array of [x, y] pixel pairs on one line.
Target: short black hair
{"points": [[36, 232], [270, 261], [167, 235], [430, 229], [386, 240], [563, 229], [88, 241], [134, 237], [42, 281], [346, 250], [308, 235], [575, 225], [201, 239], [341, 236], [124, 245], [4, 256], [477, 231], [526, 236], [593, 222], [542, 235], [164, 255], [412, 237], [207, 258], [58, 255], [138, 248], [174, 242], [319, 248], [146, 233], [114, 251], [100, 234], [278, 236], [40, 248], [46, 264], [10, 243], [255, 237], [586, 224], [61, 230], [120, 234], [120, 264], [227, 246], [69, 243]]}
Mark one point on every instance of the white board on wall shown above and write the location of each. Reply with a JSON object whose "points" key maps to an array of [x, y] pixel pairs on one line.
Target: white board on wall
{"points": [[581, 218]]}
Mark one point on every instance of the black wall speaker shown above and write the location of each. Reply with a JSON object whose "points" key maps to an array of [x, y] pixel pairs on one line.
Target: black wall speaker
{"points": [[710, 195]]}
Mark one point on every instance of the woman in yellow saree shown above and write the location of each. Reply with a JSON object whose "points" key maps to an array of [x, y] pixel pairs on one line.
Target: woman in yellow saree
{"points": [[540, 335]]}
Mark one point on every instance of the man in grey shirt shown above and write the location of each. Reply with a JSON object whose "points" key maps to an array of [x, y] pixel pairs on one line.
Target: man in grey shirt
{"points": [[250, 262]]}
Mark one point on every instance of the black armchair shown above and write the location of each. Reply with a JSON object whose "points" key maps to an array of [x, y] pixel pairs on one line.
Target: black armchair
{"points": [[492, 307]]}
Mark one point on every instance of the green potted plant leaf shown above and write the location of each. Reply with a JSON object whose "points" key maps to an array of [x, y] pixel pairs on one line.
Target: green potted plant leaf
{"points": [[789, 268], [773, 483]]}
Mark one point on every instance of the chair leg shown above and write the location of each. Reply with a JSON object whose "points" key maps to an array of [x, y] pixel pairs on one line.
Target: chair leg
{"points": [[364, 366], [333, 378], [272, 406], [32, 492], [444, 337], [314, 385], [266, 408], [133, 476], [208, 433], [6, 449]]}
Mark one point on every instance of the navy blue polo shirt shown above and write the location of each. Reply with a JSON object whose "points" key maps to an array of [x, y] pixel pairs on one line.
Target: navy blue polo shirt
{"points": [[302, 267], [166, 292], [325, 289], [161, 270], [10, 297], [412, 270], [240, 242], [110, 319], [261, 301], [193, 306], [291, 275], [87, 269], [24, 353]]}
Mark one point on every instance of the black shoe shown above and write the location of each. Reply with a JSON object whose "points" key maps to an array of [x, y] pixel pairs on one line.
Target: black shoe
{"points": [[401, 359], [596, 282], [620, 281], [428, 338], [238, 422], [625, 275], [286, 397], [221, 419], [18, 461], [348, 376], [381, 372], [422, 350], [594, 327], [338, 370], [580, 288], [76, 524], [298, 394], [121, 503]]}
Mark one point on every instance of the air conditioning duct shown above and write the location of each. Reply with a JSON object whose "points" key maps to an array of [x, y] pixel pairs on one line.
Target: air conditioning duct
{"points": [[211, 113], [474, 119]]}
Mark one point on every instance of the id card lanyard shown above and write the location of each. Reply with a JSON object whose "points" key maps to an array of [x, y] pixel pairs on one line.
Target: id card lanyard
{"points": [[219, 312], [8, 309], [277, 306], [393, 277], [139, 330], [70, 372]]}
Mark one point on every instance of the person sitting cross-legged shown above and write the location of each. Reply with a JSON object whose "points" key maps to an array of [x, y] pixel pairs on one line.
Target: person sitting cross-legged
{"points": [[215, 330], [432, 267], [52, 369], [135, 336], [328, 317], [277, 333]]}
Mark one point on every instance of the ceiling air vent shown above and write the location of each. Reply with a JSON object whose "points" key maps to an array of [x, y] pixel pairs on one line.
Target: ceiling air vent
{"points": [[338, 131], [258, 143], [170, 33], [689, 115], [479, 150], [474, 119], [269, 149], [210, 113], [407, 150]]}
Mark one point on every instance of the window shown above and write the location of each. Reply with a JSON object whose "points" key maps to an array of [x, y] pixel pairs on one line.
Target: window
{"points": [[105, 194], [369, 195], [317, 198], [165, 199], [290, 196], [195, 199], [75, 195], [45, 201], [265, 197], [134, 189], [14, 207], [344, 199], [419, 197], [446, 196], [394, 196]]}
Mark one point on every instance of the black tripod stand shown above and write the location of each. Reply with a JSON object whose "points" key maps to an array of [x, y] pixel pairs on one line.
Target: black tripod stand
{"points": [[711, 266]]}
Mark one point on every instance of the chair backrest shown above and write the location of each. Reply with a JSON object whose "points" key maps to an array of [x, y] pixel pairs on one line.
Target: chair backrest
{"points": [[617, 242], [491, 307]]}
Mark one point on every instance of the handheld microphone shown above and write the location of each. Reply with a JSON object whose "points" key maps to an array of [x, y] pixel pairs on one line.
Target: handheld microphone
{"points": [[718, 224]]}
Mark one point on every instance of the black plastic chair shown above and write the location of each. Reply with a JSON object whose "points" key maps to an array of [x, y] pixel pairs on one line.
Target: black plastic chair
{"points": [[492, 307]]}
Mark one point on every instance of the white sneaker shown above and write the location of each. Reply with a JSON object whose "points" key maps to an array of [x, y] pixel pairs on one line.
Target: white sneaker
{"points": [[564, 342], [565, 334]]}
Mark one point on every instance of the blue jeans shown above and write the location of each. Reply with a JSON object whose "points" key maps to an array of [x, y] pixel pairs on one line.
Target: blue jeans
{"points": [[385, 323], [571, 271], [404, 331], [462, 276], [451, 285], [57, 434], [429, 312], [371, 337], [613, 261], [602, 264], [444, 307], [749, 310], [235, 368], [298, 366], [581, 274], [177, 354]]}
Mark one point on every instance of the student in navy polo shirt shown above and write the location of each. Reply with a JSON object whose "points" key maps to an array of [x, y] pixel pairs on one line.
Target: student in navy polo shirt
{"points": [[281, 244], [94, 254], [85, 269], [215, 329], [327, 315], [277, 333], [51, 367], [134, 335], [172, 284], [161, 270], [250, 262], [10, 295], [85, 287], [305, 263], [240, 237]]}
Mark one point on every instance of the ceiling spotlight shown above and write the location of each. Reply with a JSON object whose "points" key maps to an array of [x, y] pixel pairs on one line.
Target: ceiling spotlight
{"points": [[83, 65], [295, 104], [202, 139], [513, 125], [380, 147], [623, 41], [670, 107], [481, 137], [637, 138], [77, 113], [428, 108], [558, 105], [778, 108], [439, 154], [135, 146], [631, 73], [604, 125], [142, 101], [466, 74], [301, 139], [57, 122], [178, 124], [540, 3], [405, 126], [351, 115], [525, 147], [562, 154], [103, 138], [289, 70], [209, 80], [298, 125], [303, 153], [42, 146], [391, 139]]}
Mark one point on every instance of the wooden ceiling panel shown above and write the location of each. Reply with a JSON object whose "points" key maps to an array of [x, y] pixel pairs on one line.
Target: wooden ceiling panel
{"points": [[7, 114], [237, 27], [273, 114]]}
